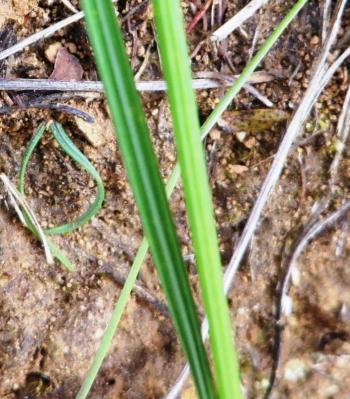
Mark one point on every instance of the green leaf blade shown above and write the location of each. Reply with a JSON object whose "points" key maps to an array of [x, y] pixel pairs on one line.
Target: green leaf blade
{"points": [[175, 61], [142, 167]]}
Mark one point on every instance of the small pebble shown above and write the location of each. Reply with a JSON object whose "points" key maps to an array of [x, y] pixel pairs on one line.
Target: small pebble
{"points": [[51, 51], [315, 40]]}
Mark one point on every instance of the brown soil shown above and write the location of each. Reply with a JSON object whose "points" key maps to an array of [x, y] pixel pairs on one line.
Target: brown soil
{"points": [[51, 321]]}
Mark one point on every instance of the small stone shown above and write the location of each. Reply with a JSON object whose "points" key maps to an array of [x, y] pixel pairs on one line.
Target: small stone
{"points": [[72, 47], [90, 132], [241, 136], [99, 303], [99, 333], [250, 143], [331, 391], [98, 133], [141, 51], [315, 40], [52, 50], [295, 370], [264, 383], [238, 169]]}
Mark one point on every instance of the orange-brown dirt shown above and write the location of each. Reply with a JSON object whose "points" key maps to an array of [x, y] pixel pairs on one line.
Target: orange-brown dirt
{"points": [[51, 321]]}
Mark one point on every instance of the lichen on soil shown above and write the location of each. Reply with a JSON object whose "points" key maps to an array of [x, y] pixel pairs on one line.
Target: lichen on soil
{"points": [[51, 321]]}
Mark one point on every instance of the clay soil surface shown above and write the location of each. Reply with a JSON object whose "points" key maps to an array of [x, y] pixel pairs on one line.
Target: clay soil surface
{"points": [[51, 321]]}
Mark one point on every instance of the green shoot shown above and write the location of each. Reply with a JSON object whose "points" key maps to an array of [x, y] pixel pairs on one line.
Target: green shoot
{"points": [[145, 179], [70, 149], [175, 62]]}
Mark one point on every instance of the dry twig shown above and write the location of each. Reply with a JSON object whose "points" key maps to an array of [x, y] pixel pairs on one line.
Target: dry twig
{"points": [[343, 130], [199, 16], [17, 198], [293, 273], [237, 20], [326, 18], [69, 5], [97, 87]]}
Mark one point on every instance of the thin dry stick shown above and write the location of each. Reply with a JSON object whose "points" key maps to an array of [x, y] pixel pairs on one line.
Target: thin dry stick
{"points": [[199, 16], [96, 86], [256, 93], [292, 270], [280, 158], [17, 197], [343, 130], [41, 35], [215, 4], [92, 86], [284, 304], [326, 18], [143, 66], [69, 5], [255, 41], [16, 207], [237, 20]]}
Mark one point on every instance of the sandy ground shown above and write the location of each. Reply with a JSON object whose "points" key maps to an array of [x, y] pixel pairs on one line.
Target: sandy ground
{"points": [[51, 321]]}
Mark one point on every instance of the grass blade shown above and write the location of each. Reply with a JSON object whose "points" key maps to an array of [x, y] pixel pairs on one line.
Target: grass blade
{"points": [[172, 182], [108, 335], [175, 62], [141, 164], [34, 141], [70, 149]]}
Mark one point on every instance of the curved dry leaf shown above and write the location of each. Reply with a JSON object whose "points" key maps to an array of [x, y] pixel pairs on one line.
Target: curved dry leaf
{"points": [[67, 66]]}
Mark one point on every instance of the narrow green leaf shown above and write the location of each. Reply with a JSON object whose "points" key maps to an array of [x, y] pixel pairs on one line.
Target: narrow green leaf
{"points": [[61, 256], [108, 335], [56, 252], [33, 142], [145, 179], [175, 62], [70, 149]]}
